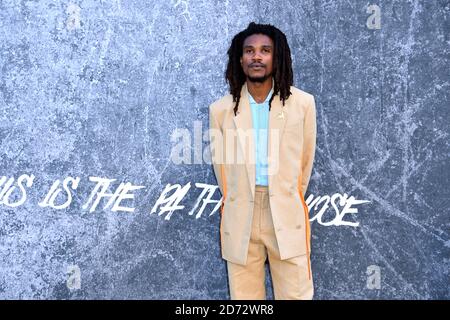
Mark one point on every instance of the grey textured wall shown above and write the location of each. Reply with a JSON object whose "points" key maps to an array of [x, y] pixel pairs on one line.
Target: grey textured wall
{"points": [[92, 94]]}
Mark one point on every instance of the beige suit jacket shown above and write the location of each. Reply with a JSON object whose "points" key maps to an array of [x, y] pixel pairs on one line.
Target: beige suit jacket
{"points": [[291, 149]]}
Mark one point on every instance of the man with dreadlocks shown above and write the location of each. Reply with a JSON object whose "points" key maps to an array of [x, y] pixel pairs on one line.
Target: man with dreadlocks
{"points": [[263, 138]]}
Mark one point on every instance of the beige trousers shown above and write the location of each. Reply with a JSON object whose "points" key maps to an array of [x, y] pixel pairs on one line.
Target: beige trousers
{"points": [[290, 277]]}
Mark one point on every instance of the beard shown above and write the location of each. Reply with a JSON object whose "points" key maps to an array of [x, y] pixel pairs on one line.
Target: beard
{"points": [[260, 79]]}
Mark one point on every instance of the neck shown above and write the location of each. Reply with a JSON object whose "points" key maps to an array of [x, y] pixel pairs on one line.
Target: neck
{"points": [[259, 90]]}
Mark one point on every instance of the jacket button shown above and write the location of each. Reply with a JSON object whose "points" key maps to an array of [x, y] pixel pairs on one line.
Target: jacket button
{"points": [[299, 226]]}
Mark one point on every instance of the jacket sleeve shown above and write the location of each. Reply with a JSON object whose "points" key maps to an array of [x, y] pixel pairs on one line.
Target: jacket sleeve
{"points": [[216, 147], [309, 143]]}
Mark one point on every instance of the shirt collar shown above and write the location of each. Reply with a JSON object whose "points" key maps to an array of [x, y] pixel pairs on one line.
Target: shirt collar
{"points": [[267, 98]]}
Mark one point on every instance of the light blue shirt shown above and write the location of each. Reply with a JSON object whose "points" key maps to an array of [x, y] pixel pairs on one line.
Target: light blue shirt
{"points": [[260, 117]]}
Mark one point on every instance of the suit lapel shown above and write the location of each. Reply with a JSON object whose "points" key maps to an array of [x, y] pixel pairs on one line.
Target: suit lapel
{"points": [[277, 120], [244, 125]]}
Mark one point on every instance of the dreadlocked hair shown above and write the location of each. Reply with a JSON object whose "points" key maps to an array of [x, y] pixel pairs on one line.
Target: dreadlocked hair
{"points": [[282, 63]]}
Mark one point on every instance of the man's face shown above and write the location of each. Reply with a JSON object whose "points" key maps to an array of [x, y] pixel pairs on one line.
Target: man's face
{"points": [[257, 57]]}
